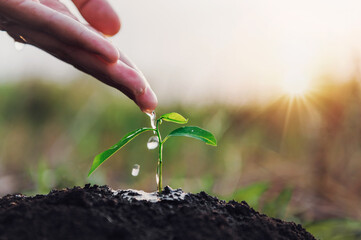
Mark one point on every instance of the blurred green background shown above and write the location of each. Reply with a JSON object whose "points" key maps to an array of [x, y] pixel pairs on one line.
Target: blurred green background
{"points": [[295, 158]]}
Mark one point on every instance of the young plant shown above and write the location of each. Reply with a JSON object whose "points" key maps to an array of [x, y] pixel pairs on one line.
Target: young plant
{"points": [[192, 132]]}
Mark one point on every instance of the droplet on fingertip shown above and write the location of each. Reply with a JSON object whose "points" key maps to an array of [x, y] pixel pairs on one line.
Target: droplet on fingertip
{"points": [[140, 91]]}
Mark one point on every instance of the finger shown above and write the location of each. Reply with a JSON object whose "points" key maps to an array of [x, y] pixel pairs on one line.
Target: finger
{"points": [[3, 23], [127, 61], [118, 75], [128, 76], [39, 17], [100, 15], [147, 101], [58, 6]]}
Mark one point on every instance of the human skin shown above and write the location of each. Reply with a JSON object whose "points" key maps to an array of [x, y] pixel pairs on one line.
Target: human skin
{"points": [[50, 26]]}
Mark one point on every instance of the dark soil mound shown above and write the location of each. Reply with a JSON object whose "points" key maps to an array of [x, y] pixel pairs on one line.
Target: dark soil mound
{"points": [[95, 212]]}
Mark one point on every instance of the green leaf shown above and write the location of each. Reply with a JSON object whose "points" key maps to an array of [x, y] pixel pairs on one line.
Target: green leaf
{"points": [[100, 158], [174, 117], [194, 132]]}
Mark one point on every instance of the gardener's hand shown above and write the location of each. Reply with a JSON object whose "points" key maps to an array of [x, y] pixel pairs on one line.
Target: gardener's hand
{"points": [[49, 25]]}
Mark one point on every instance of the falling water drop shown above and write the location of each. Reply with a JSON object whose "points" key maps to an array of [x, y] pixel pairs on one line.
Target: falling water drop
{"points": [[135, 170], [153, 142], [152, 119], [157, 179], [19, 46]]}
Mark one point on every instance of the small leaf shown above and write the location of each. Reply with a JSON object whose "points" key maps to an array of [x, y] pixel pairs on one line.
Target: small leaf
{"points": [[194, 132], [174, 117], [100, 158]]}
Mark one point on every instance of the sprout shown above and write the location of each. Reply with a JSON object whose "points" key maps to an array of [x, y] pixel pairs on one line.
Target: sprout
{"points": [[191, 131]]}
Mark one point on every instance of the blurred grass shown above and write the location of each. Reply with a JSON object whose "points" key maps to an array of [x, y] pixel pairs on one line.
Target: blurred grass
{"points": [[293, 158]]}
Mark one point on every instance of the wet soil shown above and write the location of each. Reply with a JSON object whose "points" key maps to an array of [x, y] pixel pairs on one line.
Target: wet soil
{"points": [[98, 212]]}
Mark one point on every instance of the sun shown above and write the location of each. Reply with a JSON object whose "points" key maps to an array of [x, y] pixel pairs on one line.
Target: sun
{"points": [[296, 87]]}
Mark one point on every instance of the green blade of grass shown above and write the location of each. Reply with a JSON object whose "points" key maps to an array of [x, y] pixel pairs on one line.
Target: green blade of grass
{"points": [[194, 132], [100, 158], [174, 117]]}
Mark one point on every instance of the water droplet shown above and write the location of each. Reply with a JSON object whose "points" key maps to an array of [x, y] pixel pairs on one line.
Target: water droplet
{"points": [[152, 117], [135, 170], [19, 46], [157, 178], [153, 142], [131, 195]]}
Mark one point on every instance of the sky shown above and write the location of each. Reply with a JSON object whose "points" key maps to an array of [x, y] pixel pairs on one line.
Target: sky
{"points": [[232, 51]]}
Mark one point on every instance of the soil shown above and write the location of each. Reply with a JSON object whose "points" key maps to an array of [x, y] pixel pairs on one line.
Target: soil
{"points": [[98, 212]]}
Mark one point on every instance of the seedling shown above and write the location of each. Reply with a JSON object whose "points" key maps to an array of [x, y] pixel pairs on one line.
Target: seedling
{"points": [[191, 131]]}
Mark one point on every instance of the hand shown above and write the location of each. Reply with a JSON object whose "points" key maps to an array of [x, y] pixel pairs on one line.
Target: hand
{"points": [[50, 26]]}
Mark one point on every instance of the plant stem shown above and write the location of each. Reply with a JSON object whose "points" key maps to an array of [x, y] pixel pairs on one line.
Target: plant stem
{"points": [[160, 164], [160, 161]]}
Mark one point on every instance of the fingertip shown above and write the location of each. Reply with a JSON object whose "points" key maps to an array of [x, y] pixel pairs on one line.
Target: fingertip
{"points": [[133, 83], [100, 15], [110, 53], [109, 25], [113, 28], [147, 101], [105, 20]]}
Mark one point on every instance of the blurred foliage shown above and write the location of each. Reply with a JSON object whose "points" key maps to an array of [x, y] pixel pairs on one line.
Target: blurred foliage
{"points": [[277, 207], [251, 194], [335, 229], [294, 158]]}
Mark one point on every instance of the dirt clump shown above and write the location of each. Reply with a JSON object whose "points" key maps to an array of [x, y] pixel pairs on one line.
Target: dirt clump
{"points": [[98, 212]]}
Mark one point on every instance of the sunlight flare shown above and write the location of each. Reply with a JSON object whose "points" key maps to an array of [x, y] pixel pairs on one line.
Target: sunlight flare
{"points": [[296, 87]]}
